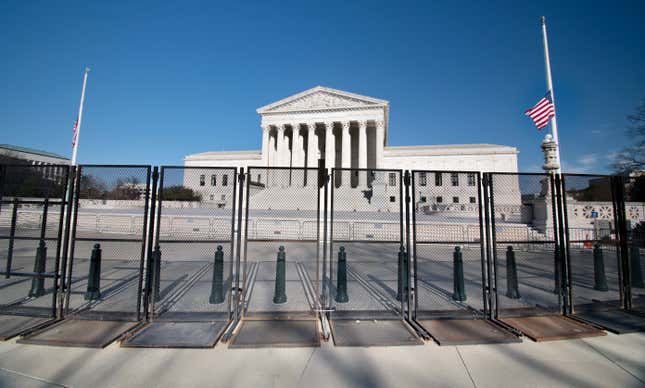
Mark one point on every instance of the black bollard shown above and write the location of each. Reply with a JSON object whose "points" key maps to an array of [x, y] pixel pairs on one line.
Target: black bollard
{"points": [[459, 292], [38, 283], [217, 289], [94, 278], [636, 272], [403, 277], [512, 290], [280, 294], [156, 268], [556, 270], [599, 278], [341, 288]]}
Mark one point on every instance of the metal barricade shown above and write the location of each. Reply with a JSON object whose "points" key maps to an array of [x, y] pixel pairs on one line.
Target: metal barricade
{"points": [[33, 204]]}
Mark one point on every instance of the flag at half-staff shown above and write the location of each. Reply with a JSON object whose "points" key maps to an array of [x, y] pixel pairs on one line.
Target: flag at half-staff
{"points": [[542, 112]]}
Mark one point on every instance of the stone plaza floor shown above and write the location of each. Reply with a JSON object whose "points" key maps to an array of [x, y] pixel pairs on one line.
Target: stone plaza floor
{"points": [[608, 361]]}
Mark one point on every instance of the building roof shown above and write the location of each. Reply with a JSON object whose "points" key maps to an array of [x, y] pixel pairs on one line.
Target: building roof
{"points": [[32, 151]]}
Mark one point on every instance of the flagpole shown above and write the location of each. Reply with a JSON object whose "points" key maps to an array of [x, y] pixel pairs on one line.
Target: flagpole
{"points": [[549, 85], [80, 117]]}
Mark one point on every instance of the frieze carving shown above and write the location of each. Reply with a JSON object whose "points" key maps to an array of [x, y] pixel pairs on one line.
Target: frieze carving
{"points": [[322, 100]]}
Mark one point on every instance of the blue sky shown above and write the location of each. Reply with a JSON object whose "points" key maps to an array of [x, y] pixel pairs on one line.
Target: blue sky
{"points": [[172, 79]]}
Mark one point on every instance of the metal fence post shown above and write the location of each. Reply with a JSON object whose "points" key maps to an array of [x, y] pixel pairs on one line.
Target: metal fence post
{"points": [[341, 288], [153, 258], [459, 293], [600, 280], [217, 295]]}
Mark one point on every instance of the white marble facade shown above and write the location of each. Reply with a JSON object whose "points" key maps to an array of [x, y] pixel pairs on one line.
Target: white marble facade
{"points": [[350, 131]]}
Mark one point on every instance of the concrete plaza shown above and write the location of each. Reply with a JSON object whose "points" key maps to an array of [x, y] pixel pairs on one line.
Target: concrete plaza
{"points": [[608, 361]]}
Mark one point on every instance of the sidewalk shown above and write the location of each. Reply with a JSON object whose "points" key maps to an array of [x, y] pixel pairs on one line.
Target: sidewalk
{"points": [[608, 361]]}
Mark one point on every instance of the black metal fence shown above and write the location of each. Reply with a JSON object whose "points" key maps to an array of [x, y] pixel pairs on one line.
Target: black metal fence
{"points": [[526, 259], [593, 253], [191, 263], [108, 243], [492, 245], [281, 268], [32, 212], [631, 196], [369, 265], [448, 245]]}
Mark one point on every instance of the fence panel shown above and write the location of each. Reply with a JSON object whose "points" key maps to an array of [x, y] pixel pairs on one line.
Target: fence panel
{"points": [[193, 279], [281, 270], [366, 229], [527, 267], [32, 212], [633, 190], [449, 262], [592, 243], [107, 252]]}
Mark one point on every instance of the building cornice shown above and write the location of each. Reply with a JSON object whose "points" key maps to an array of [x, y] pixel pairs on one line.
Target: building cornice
{"points": [[224, 155], [450, 149]]}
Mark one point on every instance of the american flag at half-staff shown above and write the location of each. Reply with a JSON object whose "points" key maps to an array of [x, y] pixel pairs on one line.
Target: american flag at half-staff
{"points": [[542, 112]]}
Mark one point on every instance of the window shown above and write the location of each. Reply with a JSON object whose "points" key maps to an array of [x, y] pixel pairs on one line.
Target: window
{"points": [[392, 198], [259, 177], [455, 199], [422, 178], [225, 180], [454, 179], [473, 200], [438, 181], [213, 180], [423, 199], [392, 179], [471, 179], [439, 199], [202, 180], [212, 197]]}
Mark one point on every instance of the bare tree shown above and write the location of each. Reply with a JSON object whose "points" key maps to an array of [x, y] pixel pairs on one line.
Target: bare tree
{"points": [[633, 157]]}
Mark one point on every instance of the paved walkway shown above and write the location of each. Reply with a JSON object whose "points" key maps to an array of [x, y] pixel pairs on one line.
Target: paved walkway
{"points": [[609, 361]]}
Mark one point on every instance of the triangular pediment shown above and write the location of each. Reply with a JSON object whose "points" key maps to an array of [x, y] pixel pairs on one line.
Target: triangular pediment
{"points": [[321, 98]]}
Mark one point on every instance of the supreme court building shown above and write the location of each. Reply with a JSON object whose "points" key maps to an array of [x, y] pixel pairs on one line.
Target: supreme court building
{"points": [[348, 130]]}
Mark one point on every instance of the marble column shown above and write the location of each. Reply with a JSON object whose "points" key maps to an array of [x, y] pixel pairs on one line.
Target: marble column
{"points": [[265, 145], [346, 154], [330, 145], [380, 142], [272, 156], [281, 154], [312, 146], [298, 144], [362, 153]]}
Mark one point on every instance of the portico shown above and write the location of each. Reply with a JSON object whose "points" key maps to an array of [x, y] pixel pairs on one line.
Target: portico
{"points": [[347, 130]]}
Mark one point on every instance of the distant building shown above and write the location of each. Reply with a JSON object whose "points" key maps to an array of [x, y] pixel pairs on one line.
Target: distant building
{"points": [[50, 162]]}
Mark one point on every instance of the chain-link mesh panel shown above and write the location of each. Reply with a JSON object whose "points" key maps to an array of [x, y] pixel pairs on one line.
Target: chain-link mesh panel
{"points": [[634, 197], [108, 243], [194, 278], [366, 240], [447, 243], [32, 209], [282, 212], [593, 257], [526, 266]]}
